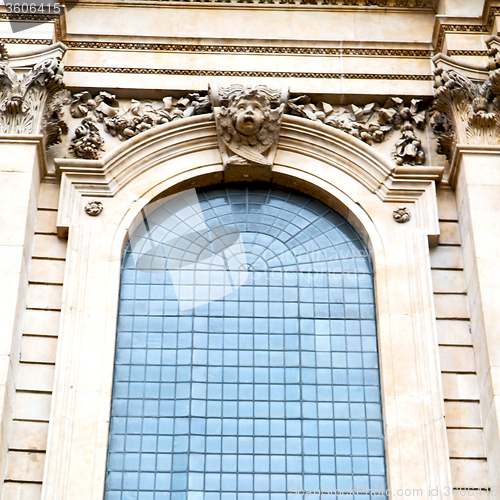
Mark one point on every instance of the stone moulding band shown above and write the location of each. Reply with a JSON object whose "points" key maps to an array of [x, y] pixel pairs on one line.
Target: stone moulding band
{"points": [[27, 41], [248, 49], [469, 53], [467, 28], [37, 18], [427, 5], [262, 74]]}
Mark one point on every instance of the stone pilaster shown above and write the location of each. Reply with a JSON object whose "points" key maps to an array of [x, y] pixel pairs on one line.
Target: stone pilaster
{"points": [[29, 121], [468, 120]]}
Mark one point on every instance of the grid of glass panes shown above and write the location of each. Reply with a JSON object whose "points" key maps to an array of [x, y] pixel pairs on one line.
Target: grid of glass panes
{"points": [[267, 391]]}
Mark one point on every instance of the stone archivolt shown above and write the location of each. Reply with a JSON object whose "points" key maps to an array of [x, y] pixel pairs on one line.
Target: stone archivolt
{"points": [[466, 112]]}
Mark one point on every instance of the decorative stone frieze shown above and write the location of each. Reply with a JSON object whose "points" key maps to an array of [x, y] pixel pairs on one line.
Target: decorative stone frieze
{"points": [[125, 122], [466, 112], [419, 4], [31, 102], [370, 123], [251, 49], [248, 121], [239, 144]]}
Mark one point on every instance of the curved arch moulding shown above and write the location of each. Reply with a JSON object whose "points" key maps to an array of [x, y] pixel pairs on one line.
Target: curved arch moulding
{"points": [[343, 172]]}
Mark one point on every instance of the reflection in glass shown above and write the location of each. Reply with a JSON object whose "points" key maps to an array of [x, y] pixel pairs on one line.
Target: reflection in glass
{"points": [[269, 389]]}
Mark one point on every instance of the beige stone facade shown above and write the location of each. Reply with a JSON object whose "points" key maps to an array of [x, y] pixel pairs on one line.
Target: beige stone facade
{"points": [[390, 108]]}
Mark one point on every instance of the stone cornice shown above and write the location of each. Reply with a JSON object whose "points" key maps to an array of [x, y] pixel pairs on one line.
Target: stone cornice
{"points": [[458, 28], [483, 27], [245, 74]]}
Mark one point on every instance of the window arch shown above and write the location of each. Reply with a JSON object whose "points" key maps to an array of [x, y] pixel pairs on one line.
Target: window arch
{"points": [[246, 362]]}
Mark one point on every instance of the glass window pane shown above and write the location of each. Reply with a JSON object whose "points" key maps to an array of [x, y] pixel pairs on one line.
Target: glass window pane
{"points": [[246, 359]]}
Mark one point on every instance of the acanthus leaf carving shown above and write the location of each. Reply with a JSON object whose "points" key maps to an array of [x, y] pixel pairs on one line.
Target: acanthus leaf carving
{"points": [[54, 125], [466, 112], [23, 98], [252, 139], [248, 121], [370, 123]]}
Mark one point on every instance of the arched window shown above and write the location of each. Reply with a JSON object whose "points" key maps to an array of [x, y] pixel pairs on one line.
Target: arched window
{"points": [[246, 359]]}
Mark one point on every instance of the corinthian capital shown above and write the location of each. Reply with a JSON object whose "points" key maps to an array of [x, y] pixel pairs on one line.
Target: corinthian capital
{"points": [[468, 112], [29, 98]]}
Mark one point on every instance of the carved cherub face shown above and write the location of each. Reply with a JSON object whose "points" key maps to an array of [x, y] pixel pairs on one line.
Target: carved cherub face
{"points": [[249, 116]]}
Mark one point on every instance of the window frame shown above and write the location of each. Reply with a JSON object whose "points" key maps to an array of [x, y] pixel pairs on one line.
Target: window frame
{"points": [[347, 175]]}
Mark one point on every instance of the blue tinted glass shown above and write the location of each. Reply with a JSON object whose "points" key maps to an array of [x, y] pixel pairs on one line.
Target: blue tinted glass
{"points": [[246, 360]]}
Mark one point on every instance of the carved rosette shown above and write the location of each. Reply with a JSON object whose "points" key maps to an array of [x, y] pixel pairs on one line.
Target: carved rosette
{"points": [[31, 103], [401, 215], [466, 112], [94, 208], [248, 121]]}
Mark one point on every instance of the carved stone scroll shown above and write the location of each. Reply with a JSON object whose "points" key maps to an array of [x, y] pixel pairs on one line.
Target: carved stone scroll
{"points": [[248, 121]]}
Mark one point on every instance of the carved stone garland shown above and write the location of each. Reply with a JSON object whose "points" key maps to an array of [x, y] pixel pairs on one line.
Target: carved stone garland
{"points": [[124, 124], [372, 123], [32, 103], [466, 112], [240, 143]]}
